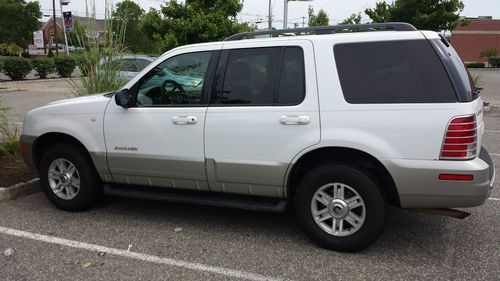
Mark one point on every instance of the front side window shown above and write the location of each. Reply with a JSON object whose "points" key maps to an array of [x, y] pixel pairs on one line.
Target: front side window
{"points": [[178, 80], [264, 76], [392, 72]]}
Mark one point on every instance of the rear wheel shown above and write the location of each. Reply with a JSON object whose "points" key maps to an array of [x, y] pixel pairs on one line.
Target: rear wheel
{"points": [[341, 207], [68, 178]]}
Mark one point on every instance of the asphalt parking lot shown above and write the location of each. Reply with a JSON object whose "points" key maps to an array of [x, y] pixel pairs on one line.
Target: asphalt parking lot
{"points": [[123, 239]]}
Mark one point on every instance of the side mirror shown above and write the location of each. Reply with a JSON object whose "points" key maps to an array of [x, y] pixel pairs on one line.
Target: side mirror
{"points": [[122, 98]]}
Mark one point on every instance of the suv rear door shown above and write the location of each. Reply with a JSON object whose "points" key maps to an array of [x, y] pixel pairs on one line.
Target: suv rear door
{"points": [[263, 111]]}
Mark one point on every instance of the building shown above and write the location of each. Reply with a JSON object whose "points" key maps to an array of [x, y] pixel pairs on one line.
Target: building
{"points": [[98, 26], [479, 34]]}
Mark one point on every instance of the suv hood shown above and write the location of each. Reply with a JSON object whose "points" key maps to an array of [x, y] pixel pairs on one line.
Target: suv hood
{"points": [[94, 104]]}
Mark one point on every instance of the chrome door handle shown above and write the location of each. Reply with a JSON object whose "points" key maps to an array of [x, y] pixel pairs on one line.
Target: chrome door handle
{"points": [[184, 120], [295, 120]]}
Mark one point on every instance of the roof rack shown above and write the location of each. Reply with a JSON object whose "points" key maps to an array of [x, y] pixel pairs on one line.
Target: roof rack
{"points": [[394, 26]]}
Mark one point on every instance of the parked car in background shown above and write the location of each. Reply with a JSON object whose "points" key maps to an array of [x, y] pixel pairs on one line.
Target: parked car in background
{"points": [[131, 64]]}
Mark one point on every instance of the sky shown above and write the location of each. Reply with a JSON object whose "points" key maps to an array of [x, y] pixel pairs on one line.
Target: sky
{"points": [[256, 11]]}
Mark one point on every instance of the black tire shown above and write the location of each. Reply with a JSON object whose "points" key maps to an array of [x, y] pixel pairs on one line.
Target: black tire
{"points": [[364, 183], [90, 191]]}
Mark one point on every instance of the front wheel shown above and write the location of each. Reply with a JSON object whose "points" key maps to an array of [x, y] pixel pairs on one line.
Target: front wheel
{"points": [[341, 207], [68, 178]]}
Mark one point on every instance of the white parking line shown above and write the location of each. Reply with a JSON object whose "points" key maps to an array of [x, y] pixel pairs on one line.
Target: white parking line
{"points": [[494, 199], [138, 256], [491, 131]]}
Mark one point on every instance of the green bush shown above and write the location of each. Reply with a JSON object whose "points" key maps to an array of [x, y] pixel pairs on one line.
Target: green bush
{"points": [[16, 68], [81, 62], [50, 54], [1, 65], [9, 147], [475, 65], [494, 62], [65, 65], [43, 66]]}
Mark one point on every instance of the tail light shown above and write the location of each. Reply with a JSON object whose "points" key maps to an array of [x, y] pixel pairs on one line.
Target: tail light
{"points": [[460, 141]]}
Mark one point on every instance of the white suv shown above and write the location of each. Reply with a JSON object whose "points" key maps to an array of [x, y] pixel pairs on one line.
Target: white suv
{"points": [[342, 125]]}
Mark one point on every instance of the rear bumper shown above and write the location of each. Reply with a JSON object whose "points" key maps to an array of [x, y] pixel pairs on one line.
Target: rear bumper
{"points": [[419, 186]]}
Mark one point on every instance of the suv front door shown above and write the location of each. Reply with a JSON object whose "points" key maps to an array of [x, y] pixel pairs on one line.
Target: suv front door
{"points": [[158, 141], [263, 112]]}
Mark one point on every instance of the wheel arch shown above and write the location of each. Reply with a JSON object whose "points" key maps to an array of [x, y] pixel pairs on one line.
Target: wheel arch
{"points": [[47, 140], [318, 156]]}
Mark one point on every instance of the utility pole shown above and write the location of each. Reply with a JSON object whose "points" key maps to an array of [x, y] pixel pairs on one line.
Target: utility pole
{"points": [[303, 21], [55, 25], [285, 14], [270, 18]]}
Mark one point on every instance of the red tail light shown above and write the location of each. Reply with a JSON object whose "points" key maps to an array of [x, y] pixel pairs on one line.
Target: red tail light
{"points": [[460, 141]]}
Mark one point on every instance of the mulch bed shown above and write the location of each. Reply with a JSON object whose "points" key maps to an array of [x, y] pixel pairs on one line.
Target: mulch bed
{"points": [[13, 170]]}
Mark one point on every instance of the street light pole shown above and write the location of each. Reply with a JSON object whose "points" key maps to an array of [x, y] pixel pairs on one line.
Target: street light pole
{"points": [[55, 25], [64, 28]]}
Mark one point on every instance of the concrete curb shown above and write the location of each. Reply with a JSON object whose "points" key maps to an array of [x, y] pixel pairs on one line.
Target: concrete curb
{"points": [[19, 190]]}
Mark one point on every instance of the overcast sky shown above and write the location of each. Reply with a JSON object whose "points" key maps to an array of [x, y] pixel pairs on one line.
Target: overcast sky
{"points": [[255, 11]]}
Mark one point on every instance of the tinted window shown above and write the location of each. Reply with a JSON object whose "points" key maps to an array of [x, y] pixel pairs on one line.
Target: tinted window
{"points": [[128, 65], [392, 72], [250, 76], [141, 64], [178, 80], [264, 76], [292, 85]]}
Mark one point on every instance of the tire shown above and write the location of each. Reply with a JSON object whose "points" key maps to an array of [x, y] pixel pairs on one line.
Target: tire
{"points": [[69, 197], [355, 181]]}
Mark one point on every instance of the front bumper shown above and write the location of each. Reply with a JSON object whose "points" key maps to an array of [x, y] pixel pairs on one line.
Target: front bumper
{"points": [[419, 186]]}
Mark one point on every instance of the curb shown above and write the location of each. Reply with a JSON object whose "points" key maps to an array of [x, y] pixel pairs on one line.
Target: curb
{"points": [[19, 190]]}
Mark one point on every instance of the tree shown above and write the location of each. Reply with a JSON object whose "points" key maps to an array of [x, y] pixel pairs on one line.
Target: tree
{"points": [[320, 19], [434, 15], [194, 21], [131, 15], [353, 19], [18, 21]]}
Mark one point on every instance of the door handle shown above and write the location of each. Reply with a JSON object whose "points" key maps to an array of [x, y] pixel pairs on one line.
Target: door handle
{"points": [[184, 120], [295, 120]]}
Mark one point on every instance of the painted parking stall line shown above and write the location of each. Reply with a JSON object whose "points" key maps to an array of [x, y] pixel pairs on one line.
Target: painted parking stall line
{"points": [[138, 256]]}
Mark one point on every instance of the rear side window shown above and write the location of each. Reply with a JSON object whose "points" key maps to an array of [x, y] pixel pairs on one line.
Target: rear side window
{"points": [[392, 72], [264, 76]]}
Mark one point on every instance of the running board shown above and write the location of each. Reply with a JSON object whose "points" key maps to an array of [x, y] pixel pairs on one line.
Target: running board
{"points": [[217, 199]]}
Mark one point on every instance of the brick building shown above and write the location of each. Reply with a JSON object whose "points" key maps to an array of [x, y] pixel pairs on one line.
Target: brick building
{"points": [[480, 34], [98, 26]]}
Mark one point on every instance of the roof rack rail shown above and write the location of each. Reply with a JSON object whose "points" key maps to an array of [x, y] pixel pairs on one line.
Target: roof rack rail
{"points": [[395, 26]]}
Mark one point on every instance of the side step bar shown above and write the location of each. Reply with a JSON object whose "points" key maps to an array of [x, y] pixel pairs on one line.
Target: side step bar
{"points": [[252, 203]]}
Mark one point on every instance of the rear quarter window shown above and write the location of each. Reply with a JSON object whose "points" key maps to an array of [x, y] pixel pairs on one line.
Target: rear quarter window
{"points": [[392, 72]]}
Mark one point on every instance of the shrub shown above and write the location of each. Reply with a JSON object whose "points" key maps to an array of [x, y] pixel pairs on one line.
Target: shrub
{"points": [[43, 66], [488, 53], [50, 54], [494, 62], [475, 65], [8, 133], [16, 68], [25, 54], [65, 65], [1, 65]]}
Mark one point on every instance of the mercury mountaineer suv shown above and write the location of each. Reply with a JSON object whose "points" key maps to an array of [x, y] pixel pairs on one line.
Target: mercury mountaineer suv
{"points": [[339, 122]]}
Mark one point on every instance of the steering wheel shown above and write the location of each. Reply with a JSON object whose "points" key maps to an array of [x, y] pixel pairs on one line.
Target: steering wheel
{"points": [[175, 94]]}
